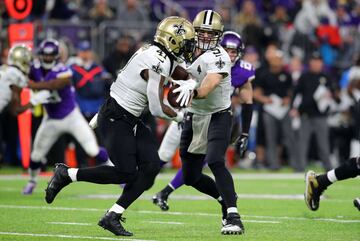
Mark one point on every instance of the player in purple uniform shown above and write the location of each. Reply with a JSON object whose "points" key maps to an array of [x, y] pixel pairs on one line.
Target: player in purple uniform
{"points": [[63, 115], [242, 73]]}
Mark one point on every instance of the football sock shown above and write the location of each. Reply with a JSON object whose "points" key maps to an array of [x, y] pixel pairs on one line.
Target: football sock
{"points": [[323, 181], [167, 190], [178, 180], [34, 173], [34, 170], [117, 209], [331, 176], [72, 172], [232, 210]]}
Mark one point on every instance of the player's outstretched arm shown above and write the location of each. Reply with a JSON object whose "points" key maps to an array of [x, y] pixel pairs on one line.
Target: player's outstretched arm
{"points": [[54, 84]]}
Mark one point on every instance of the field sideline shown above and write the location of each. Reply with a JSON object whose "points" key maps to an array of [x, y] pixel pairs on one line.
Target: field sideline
{"points": [[271, 205]]}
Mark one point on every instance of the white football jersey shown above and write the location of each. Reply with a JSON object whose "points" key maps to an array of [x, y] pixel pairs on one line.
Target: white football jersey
{"points": [[9, 76], [212, 61], [129, 89]]}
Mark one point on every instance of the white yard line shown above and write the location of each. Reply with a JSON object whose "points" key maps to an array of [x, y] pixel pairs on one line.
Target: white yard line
{"points": [[168, 176], [202, 197], [163, 222], [69, 236], [183, 213], [67, 223], [259, 221]]}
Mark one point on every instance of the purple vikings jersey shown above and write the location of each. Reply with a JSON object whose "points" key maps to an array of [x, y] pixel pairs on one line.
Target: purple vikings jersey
{"points": [[64, 98], [241, 72]]}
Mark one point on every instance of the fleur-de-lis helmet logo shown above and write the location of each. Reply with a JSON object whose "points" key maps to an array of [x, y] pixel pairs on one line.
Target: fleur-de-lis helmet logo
{"points": [[179, 29]]}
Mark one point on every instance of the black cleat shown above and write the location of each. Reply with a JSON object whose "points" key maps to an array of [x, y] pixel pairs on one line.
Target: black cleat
{"points": [[57, 182], [161, 201], [357, 203], [111, 222], [312, 191], [233, 225]]}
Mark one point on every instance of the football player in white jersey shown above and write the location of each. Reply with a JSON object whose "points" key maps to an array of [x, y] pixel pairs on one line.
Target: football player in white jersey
{"points": [[130, 144], [13, 78], [207, 124], [242, 74]]}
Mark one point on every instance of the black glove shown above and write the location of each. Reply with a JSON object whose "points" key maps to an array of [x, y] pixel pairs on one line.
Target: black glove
{"points": [[241, 144]]}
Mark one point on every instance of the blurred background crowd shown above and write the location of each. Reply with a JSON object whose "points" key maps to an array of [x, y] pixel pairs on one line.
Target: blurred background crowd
{"points": [[288, 42]]}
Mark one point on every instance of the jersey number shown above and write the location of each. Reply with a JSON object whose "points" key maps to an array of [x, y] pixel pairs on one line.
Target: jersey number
{"points": [[216, 52], [245, 65], [162, 55]]}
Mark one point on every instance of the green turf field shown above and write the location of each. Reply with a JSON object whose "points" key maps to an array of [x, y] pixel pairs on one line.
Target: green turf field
{"points": [[271, 206]]}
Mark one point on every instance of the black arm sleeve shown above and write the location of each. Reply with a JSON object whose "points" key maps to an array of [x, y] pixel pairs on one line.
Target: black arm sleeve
{"points": [[246, 115]]}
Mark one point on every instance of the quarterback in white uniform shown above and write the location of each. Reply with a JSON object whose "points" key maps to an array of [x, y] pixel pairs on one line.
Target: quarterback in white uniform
{"points": [[130, 144], [241, 76], [207, 124]]}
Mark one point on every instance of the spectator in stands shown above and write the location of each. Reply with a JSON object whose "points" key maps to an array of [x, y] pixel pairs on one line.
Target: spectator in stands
{"points": [[278, 24], [306, 22], [295, 68], [348, 22], [249, 23], [224, 8], [248, 15], [133, 16], [314, 88], [329, 40], [273, 88], [65, 10], [100, 11], [252, 56], [117, 59], [160, 9], [309, 16]]}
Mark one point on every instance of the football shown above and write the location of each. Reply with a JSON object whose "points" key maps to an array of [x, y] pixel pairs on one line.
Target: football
{"points": [[171, 97]]}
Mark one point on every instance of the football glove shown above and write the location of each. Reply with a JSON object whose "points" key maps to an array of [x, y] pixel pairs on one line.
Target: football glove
{"points": [[40, 97], [241, 144], [185, 89]]}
